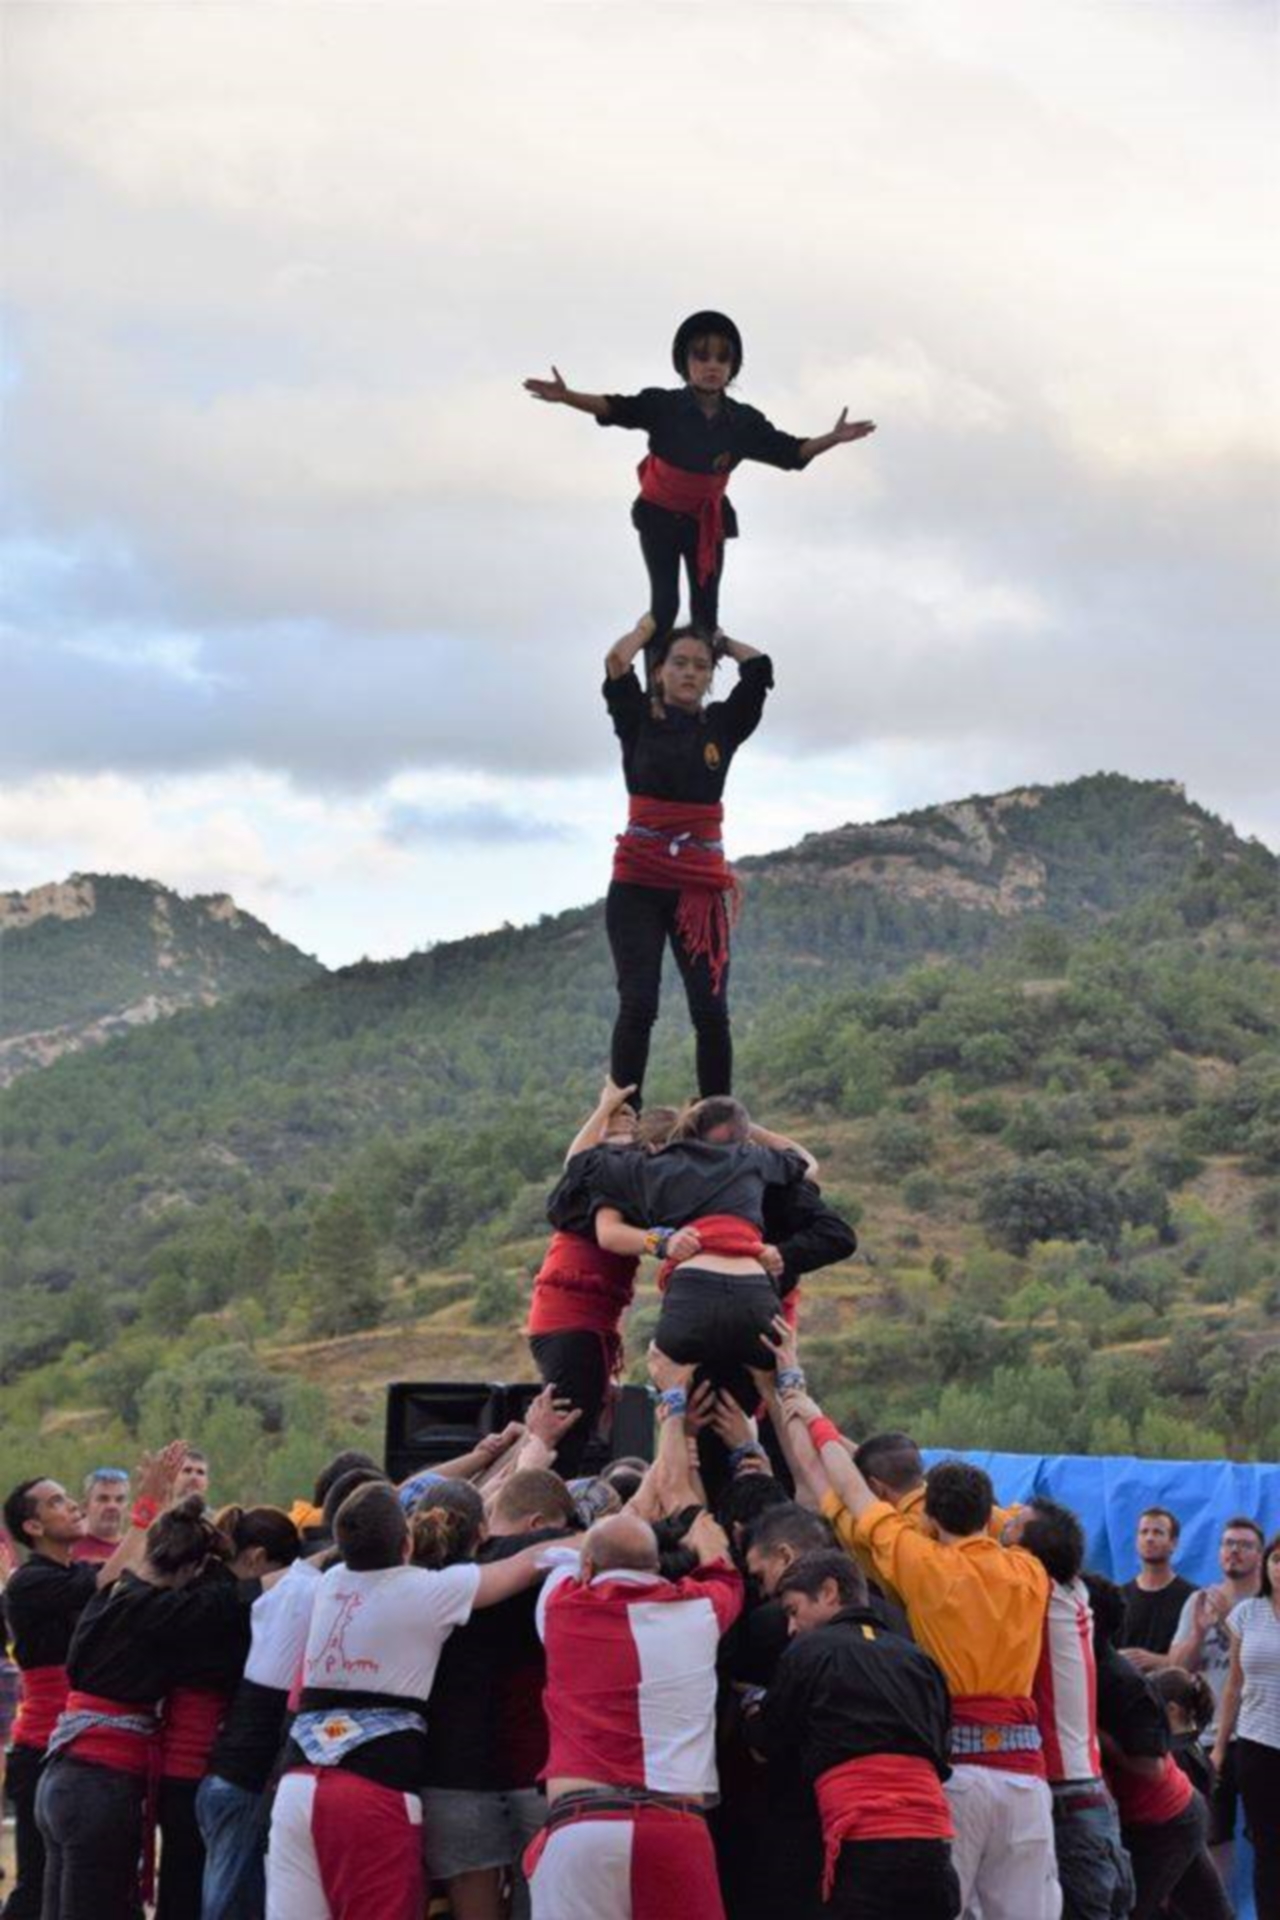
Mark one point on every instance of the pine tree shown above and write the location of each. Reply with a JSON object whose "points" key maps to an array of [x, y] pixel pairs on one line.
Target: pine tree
{"points": [[342, 1265]]}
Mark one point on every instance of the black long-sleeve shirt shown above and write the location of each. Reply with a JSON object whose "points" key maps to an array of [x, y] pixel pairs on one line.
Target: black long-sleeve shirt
{"points": [[685, 756], [848, 1690], [42, 1604], [806, 1233], [684, 436], [692, 1178], [135, 1642]]}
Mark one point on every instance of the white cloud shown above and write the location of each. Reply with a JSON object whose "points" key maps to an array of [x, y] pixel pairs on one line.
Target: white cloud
{"points": [[279, 504]]}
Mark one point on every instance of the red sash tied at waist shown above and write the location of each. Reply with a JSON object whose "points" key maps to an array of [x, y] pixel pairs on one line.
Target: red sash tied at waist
{"points": [[581, 1286], [44, 1697], [122, 1748], [882, 1796], [723, 1233], [997, 1730], [676, 845], [192, 1717], [701, 495]]}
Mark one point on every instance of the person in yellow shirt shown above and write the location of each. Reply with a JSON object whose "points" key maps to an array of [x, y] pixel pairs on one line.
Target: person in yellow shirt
{"points": [[979, 1610]]}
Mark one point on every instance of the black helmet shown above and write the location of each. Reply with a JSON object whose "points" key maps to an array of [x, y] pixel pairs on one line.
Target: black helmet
{"points": [[694, 328]]}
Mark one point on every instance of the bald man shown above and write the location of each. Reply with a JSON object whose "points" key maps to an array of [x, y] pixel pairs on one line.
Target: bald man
{"points": [[630, 1701]]}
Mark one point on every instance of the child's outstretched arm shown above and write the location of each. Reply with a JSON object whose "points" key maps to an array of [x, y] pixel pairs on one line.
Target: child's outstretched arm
{"points": [[843, 430], [558, 394]]}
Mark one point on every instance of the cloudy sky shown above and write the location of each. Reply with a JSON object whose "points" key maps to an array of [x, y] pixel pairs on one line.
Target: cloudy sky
{"points": [[306, 600]]}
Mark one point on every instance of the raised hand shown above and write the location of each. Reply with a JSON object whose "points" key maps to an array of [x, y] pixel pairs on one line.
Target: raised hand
{"points": [[772, 1262], [494, 1444], [846, 429], [732, 1424], [782, 1341], [700, 1411], [549, 1419], [553, 390], [155, 1473]]}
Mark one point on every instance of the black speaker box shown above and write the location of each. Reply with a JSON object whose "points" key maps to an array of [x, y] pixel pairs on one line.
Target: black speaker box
{"points": [[433, 1420]]}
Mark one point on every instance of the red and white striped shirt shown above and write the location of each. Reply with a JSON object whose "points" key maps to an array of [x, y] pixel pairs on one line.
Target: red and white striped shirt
{"points": [[631, 1676], [1065, 1688]]}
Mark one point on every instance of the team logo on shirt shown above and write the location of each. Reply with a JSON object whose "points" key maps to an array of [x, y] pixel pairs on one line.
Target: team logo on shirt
{"points": [[711, 754]]}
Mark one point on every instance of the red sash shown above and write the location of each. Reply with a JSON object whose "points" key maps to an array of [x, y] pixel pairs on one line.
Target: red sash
{"points": [[119, 1748], [701, 495], [44, 1697], [882, 1796], [675, 845], [995, 1711], [722, 1233], [581, 1285], [192, 1717]]}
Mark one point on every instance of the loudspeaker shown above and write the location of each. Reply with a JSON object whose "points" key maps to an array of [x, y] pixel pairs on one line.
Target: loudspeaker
{"points": [[433, 1420]]}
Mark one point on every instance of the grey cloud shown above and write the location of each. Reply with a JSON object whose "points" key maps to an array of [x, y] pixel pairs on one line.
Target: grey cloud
{"points": [[479, 823]]}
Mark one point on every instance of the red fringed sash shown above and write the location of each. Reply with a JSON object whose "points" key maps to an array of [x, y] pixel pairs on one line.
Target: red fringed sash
{"points": [[701, 495], [676, 845], [192, 1717]]}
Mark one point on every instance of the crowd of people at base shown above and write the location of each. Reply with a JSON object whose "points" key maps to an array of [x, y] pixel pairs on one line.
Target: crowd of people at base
{"points": [[845, 1688]]}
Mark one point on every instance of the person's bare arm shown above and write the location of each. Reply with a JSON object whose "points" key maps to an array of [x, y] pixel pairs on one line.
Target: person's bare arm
{"points": [[708, 1540], [153, 1477], [597, 1123], [615, 1236], [468, 1466], [499, 1579], [737, 649], [765, 1137], [557, 394], [843, 1478], [1229, 1708], [622, 653], [1208, 1609], [674, 1481], [797, 1448], [843, 431]]}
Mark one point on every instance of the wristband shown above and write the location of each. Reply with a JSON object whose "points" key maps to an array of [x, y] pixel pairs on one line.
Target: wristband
{"points": [[144, 1512], [750, 1449], [673, 1400], [790, 1377], [657, 1240], [824, 1432]]}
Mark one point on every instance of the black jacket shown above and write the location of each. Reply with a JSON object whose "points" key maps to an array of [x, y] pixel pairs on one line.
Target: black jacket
{"points": [[848, 1690]]}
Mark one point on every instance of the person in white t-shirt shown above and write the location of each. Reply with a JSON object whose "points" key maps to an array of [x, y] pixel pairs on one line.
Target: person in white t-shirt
{"points": [[1201, 1644], [1250, 1713], [345, 1830]]}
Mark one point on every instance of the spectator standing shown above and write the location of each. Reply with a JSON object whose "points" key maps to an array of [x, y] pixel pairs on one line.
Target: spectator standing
{"points": [[1202, 1645], [1155, 1597], [1250, 1712], [105, 1507]]}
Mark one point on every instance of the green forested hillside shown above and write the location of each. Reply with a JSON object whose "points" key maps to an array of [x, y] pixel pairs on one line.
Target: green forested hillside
{"points": [[83, 960], [1034, 1039]]}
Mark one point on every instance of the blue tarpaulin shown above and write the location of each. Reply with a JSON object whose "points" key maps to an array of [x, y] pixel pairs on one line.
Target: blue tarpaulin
{"points": [[1109, 1493]]}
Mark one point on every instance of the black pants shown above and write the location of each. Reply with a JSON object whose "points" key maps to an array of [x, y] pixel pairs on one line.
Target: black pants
{"points": [[666, 539], [640, 921], [716, 1320], [579, 1365], [91, 1820], [22, 1777], [1174, 1870], [895, 1880], [1258, 1772], [181, 1853]]}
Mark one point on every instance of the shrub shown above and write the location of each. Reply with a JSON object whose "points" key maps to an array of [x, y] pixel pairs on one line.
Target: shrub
{"points": [[1050, 1199]]}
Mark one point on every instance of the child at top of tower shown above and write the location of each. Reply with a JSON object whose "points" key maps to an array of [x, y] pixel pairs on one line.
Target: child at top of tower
{"points": [[697, 436]]}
